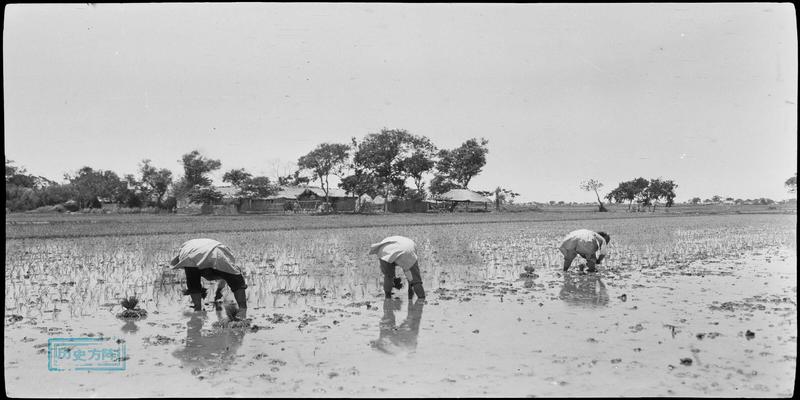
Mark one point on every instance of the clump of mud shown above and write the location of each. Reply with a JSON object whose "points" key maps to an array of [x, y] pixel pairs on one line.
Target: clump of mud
{"points": [[158, 340], [244, 323], [132, 312], [277, 318], [323, 292]]}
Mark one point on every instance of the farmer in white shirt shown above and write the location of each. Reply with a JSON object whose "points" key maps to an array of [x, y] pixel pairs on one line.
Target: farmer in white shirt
{"points": [[588, 244], [398, 251], [213, 261]]}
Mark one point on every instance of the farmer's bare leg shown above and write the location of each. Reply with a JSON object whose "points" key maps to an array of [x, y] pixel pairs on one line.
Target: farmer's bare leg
{"points": [[388, 278]]}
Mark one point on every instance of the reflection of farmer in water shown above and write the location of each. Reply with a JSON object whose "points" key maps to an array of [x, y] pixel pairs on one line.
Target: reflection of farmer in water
{"points": [[212, 349], [587, 244], [584, 290], [213, 261], [395, 338], [398, 251]]}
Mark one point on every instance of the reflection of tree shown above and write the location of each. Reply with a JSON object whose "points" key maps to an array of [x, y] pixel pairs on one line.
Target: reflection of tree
{"points": [[212, 349], [393, 338], [584, 290]]}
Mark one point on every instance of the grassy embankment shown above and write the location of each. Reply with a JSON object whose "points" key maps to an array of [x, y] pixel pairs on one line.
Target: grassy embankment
{"points": [[37, 225]]}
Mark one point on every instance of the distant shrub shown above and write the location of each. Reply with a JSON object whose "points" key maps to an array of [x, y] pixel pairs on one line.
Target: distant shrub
{"points": [[71, 205], [521, 207]]}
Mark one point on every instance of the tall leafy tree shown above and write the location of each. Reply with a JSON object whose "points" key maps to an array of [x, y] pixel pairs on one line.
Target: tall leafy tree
{"points": [[385, 156], [360, 183], [326, 159], [658, 189], [629, 191], [154, 181], [236, 177], [257, 187], [250, 186], [421, 161], [440, 185], [90, 185], [204, 195], [293, 179], [195, 183], [196, 167], [463, 163]]}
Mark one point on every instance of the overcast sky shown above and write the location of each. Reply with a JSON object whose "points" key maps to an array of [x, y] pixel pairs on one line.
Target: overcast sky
{"points": [[704, 94]]}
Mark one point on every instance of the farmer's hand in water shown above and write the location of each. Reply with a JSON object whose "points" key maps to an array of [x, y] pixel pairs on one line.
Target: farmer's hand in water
{"points": [[218, 295], [398, 283]]}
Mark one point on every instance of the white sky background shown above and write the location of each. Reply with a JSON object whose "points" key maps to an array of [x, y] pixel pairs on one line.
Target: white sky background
{"points": [[704, 94]]}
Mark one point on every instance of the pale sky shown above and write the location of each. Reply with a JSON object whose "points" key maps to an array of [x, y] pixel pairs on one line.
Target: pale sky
{"points": [[703, 94]]}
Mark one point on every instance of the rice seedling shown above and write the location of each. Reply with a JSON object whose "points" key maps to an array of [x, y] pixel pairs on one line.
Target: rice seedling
{"points": [[131, 310], [334, 262], [130, 302]]}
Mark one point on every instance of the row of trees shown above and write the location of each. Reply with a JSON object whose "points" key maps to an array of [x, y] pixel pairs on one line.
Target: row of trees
{"points": [[720, 199], [646, 193], [384, 162], [88, 188], [380, 163]]}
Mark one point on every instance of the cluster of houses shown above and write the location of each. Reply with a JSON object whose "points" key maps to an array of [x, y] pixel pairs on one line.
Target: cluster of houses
{"points": [[307, 199]]}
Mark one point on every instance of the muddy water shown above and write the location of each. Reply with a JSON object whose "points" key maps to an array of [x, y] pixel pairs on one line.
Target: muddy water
{"points": [[660, 331]]}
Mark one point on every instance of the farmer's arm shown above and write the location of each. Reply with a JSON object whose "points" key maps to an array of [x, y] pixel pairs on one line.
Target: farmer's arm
{"points": [[601, 251], [589, 251], [238, 286]]}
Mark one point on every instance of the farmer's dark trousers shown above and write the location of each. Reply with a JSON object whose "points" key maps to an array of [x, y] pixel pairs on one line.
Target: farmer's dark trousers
{"points": [[193, 275]]}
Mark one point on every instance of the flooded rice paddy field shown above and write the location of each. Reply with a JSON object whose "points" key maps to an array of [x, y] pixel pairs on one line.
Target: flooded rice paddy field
{"points": [[689, 306]]}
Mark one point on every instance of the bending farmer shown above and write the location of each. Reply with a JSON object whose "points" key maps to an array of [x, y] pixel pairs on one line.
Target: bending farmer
{"points": [[588, 244], [213, 261], [398, 251]]}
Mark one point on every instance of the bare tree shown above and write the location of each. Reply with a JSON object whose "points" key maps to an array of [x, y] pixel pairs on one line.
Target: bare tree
{"points": [[593, 185]]}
